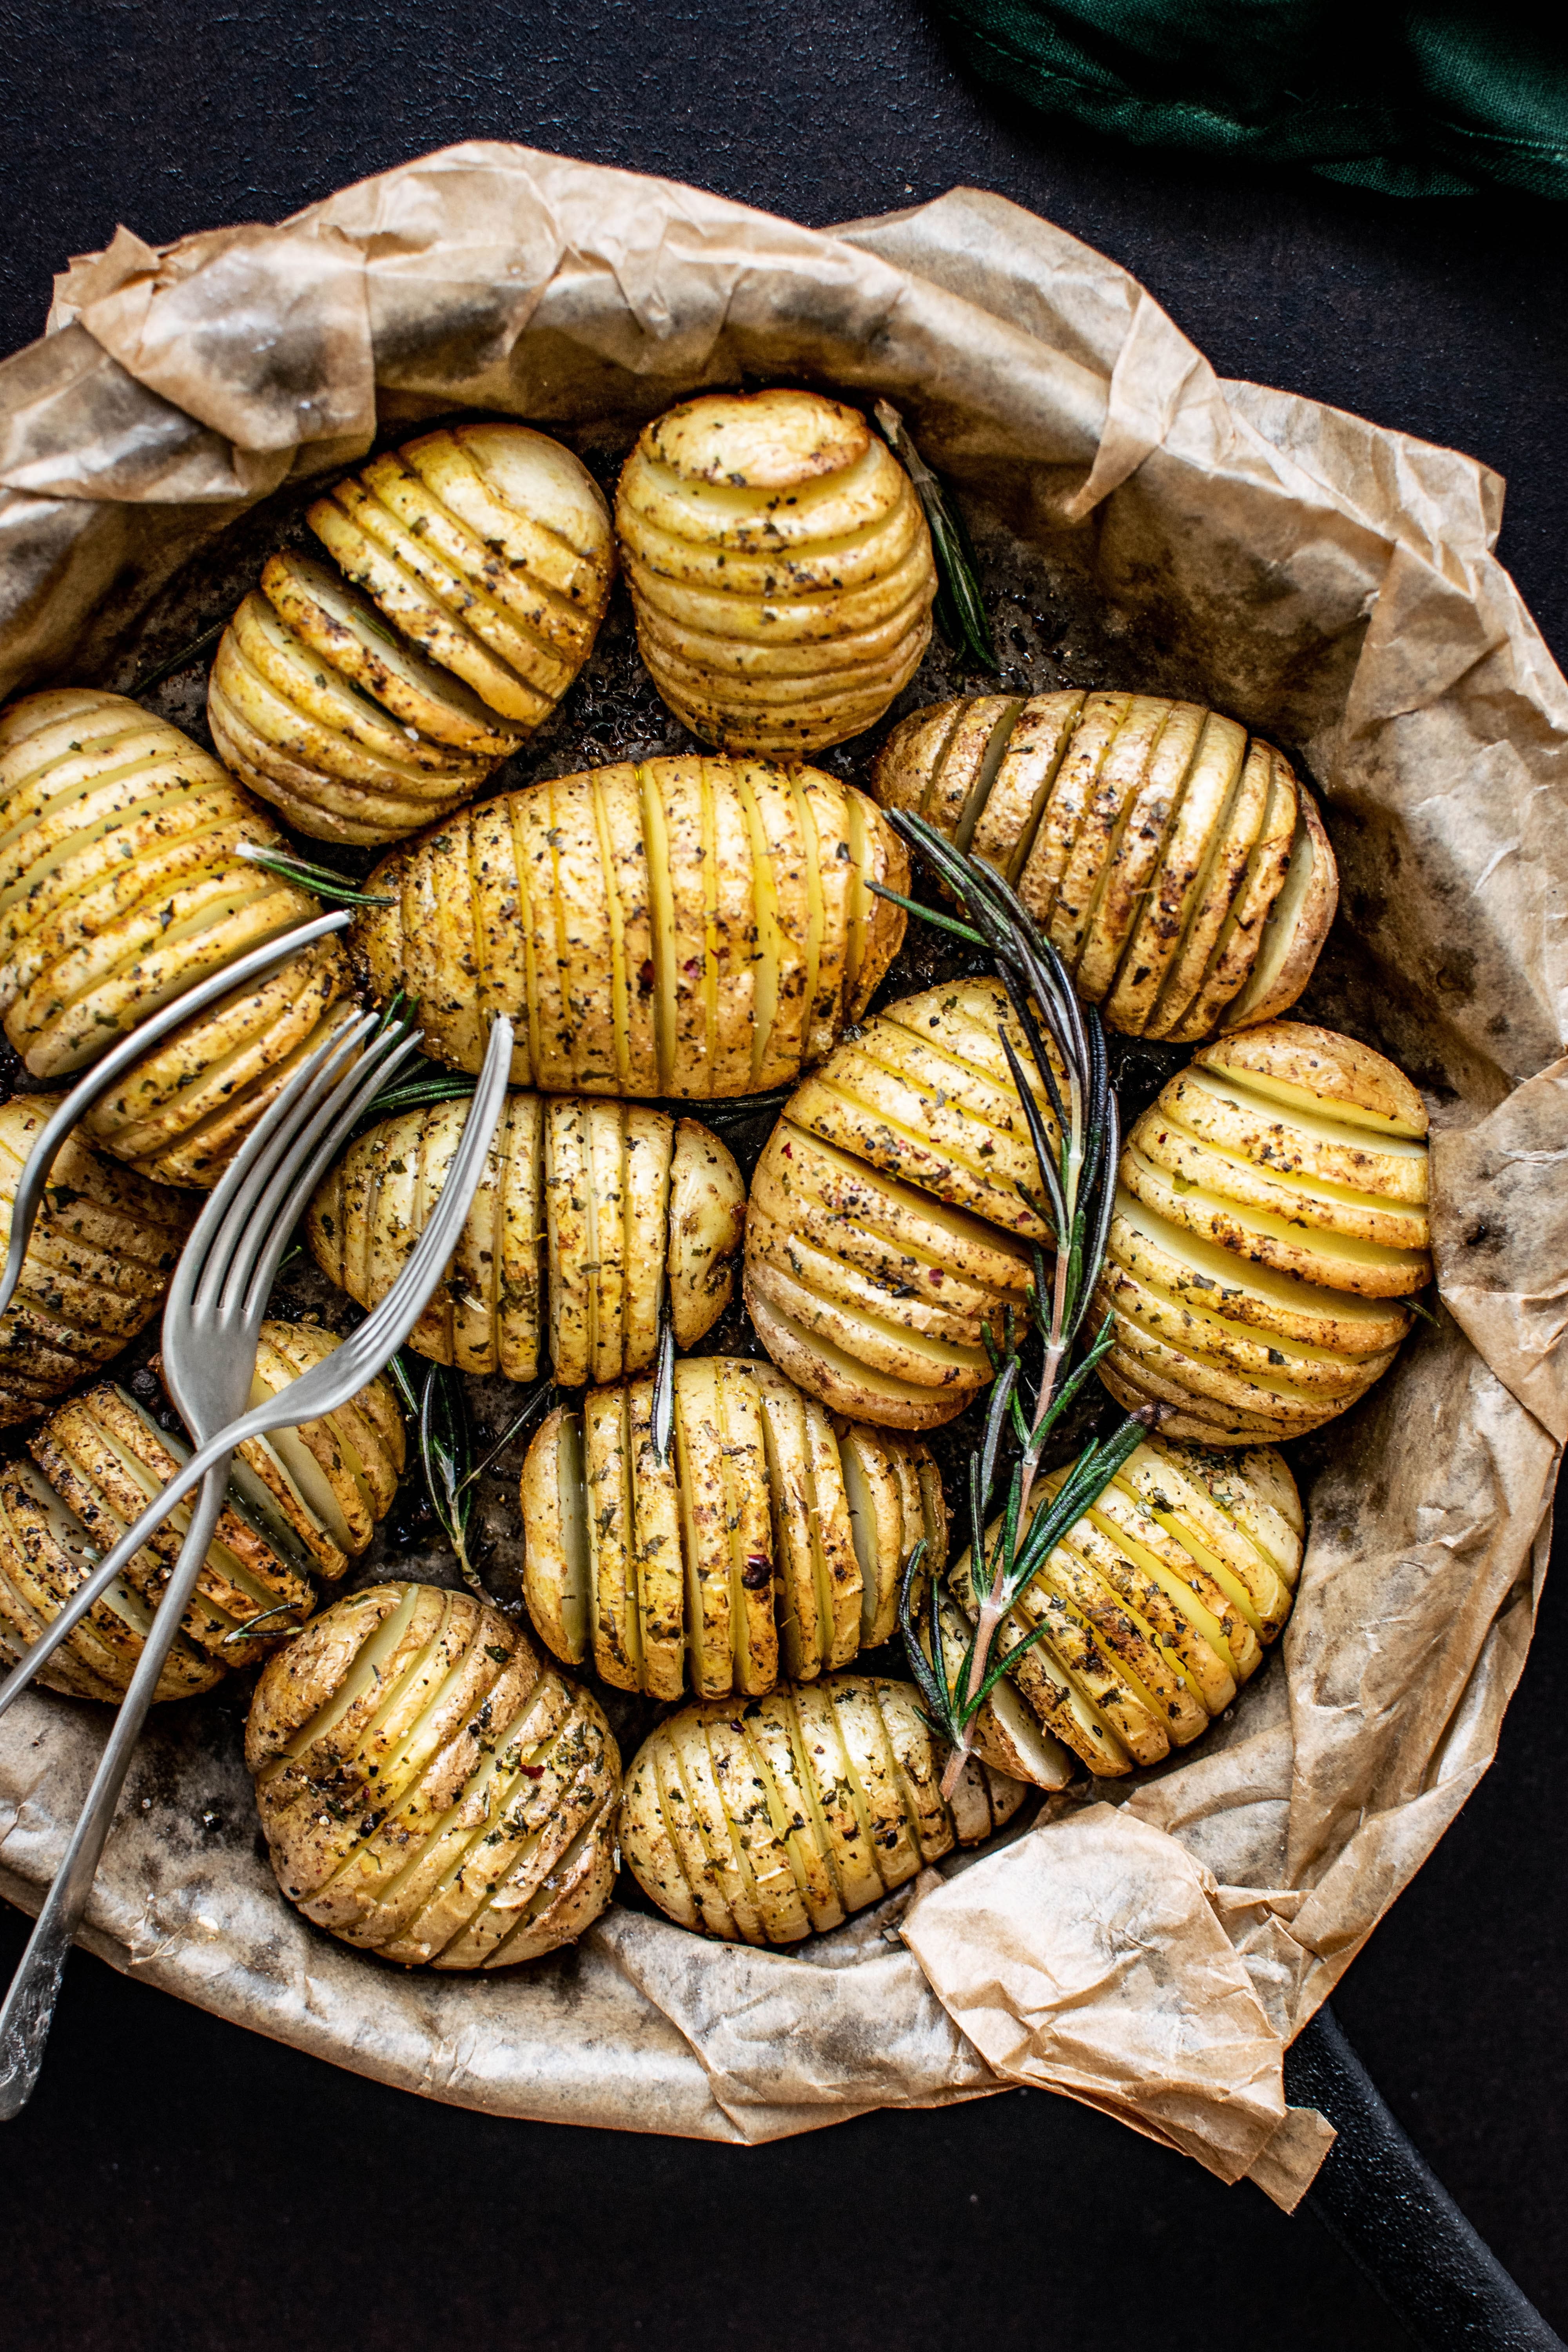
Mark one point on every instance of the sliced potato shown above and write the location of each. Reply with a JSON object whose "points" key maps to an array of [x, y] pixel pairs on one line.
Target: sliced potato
{"points": [[1184, 873], [764, 1538], [487, 547], [894, 1210], [584, 1210], [428, 1790], [46, 1556], [121, 883], [686, 927], [98, 1263], [1272, 1214], [780, 568], [303, 738], [759, 1823], [1155, 1604]]}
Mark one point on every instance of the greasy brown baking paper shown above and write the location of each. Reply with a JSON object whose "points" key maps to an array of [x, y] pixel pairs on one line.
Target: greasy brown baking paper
{"points": [[1151, 1950]]}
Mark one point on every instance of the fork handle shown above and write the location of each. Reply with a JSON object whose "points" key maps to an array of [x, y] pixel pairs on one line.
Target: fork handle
{"points": [[29, 2005]]}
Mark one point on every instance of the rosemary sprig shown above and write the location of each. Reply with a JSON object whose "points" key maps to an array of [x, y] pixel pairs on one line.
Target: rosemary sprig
{"points": [[960, 614], [1077, 1166], [436, 1401], [324, 880], [242, 1633], [182, 660], [662, 1416]]}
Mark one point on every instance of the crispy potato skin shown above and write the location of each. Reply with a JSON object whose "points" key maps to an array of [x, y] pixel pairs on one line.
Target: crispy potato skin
{"points": [[123, 882], [562, 1256], [457, 1806], [828, 1791], [97, 1267], [886, 1228], [1271, 1216], [682, 927], [1155, 843], [770, 1541], [779, 569], [1157, 1604]]}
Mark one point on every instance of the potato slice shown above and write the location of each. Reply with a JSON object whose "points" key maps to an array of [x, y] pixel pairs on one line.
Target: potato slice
{"points": [[607, 1459], [845, 1383], [1296, 926], [652, 1218], [1236, 949], [706, 1224], [557, 1576], [657, 1548], [1152, 789]]}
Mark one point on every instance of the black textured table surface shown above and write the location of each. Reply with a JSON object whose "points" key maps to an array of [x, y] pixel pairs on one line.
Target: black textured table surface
{"points": [[177, 2182]]}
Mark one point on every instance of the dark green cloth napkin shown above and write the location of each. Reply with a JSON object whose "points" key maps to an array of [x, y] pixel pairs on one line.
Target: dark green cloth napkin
{"points": [[1433, 101]]}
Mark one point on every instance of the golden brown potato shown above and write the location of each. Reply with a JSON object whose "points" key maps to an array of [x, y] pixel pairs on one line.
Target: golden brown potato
{"points": [[429, 1793], [780, 568], [886, 1228], [581, 1210], [337, 764], [1158, 1602], [302, 1503], [1182, 870], [98, 1263], [688, 927], [121, 884], [767, 1542], [763, 1821], [487, 547], [1271, 1215]]}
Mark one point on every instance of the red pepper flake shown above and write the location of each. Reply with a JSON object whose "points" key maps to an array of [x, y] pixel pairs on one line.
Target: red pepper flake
{"points": [[935, 1275], [645, 976], [534, 1771]]}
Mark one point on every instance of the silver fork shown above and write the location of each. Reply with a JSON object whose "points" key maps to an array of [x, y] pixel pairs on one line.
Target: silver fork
{"points": [[210, 1329], [120, 1058]]}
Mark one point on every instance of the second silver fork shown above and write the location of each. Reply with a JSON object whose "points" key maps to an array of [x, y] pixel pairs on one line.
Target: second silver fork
{"points": [[211, 1325]]}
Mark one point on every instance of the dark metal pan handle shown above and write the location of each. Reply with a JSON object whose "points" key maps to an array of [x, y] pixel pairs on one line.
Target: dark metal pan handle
{"points": [[1380, 2199]]}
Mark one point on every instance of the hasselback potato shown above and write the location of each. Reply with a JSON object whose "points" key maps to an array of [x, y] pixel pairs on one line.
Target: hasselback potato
{"points": [[779, 569], [1158, 1601], [583, 1211], [765, 1542], [99, 1260], [684, 927], [429, 1792], [1270, 1217], [487, 546], [301, 1504], [312, 742], [762, 1821], [121, 883], [887, 1227], [1181, 869]]}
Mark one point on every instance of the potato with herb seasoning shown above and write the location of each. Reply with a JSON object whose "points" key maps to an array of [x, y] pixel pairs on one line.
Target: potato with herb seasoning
{"points": [[770, 1819], [301, 1504], [1158, 1603], [892, 1217], [99, 1261], [684, 927], [1181, 867], [122, 881], [586, 1213], [780, 568], [1271, 1218], [429, 1790], [768, 1542], [487, 547]]}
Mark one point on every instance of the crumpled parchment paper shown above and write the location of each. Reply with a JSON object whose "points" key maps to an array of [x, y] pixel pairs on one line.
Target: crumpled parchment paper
{"points": [[1150, 1951]]}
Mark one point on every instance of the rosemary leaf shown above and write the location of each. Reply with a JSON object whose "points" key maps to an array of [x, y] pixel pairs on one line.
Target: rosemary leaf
{"points": [[663, 1415], [242, 1633], [446, 1459], [322, 880], [960, 611], [182, 660]]}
